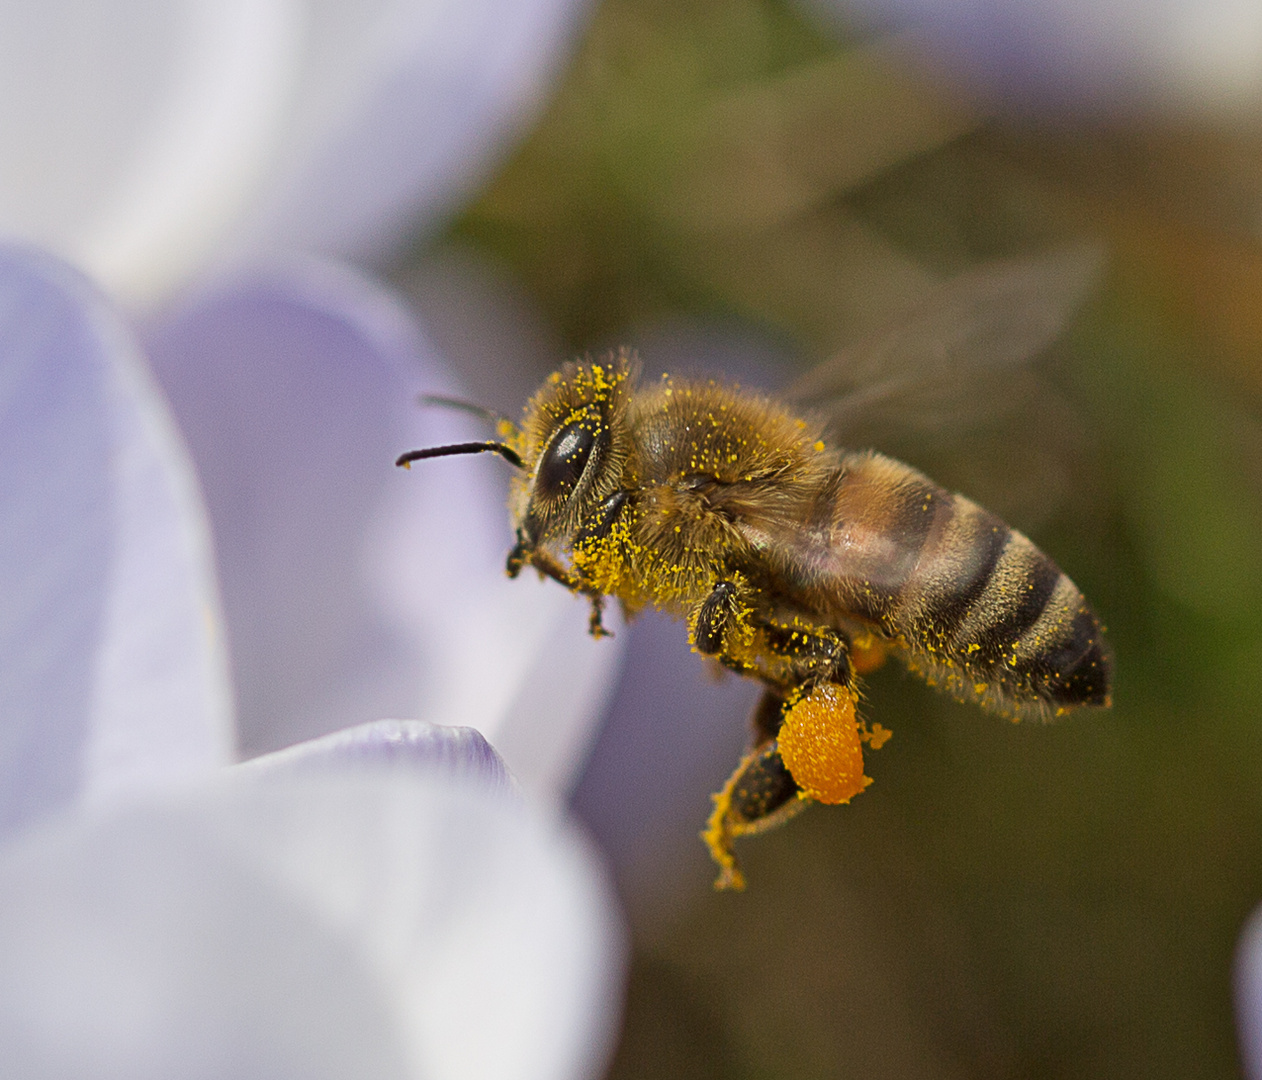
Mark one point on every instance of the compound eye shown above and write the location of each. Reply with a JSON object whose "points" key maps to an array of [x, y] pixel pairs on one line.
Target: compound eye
{"points": [[563, 464]]}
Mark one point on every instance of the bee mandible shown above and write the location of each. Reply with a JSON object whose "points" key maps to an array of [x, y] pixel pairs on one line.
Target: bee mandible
{"points": [[795, 562]]}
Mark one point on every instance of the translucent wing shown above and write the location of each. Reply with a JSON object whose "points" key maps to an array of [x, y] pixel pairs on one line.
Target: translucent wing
{"points": [[951, 360], [950, 388]]}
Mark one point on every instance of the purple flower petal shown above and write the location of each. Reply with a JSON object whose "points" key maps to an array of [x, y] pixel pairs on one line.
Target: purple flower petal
{"points": [[315, 927], [392, 743], [294, 391], [112, 676], [402, 112], [353, 589], [175, 132]]}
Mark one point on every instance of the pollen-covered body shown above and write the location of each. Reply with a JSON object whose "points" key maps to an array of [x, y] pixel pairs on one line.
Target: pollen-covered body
{"points": [[708, 470], [725, 485], [792, 562]]}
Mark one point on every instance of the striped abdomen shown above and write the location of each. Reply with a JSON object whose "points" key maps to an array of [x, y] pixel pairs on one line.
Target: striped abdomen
{"points": [[977, 606]]}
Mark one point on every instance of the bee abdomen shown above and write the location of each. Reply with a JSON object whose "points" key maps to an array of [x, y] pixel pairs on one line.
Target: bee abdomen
{"points": [[985, 601]]}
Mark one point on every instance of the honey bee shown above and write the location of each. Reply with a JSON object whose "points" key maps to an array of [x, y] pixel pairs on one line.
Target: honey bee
{"points": [[795, 562]]}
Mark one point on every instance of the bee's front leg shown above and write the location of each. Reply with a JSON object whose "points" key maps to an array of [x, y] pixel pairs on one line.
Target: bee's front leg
{"points": [[594, 625], [716, 618], [549, 567], [595, 549], [720, 627]]}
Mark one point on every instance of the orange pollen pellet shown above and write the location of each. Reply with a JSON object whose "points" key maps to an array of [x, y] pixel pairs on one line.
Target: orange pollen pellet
{"points": [[819, 743]]}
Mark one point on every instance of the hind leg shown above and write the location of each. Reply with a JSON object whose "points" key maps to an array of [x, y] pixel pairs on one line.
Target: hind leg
{"points": [[809, 750], [759, 795]]}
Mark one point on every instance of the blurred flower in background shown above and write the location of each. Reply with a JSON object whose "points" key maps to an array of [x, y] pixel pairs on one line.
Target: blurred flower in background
{"points": [[154, 135], [371, 903], [1116, 56], [202, 162]]}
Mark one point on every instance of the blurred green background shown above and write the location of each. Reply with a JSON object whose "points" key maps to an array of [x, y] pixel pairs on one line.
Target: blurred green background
{"points": [[1006, 900]]}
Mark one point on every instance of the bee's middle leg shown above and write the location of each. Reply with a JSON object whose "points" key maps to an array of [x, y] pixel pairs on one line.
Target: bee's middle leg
{"points": [[796, 655], [716, 619], [810, 655]]}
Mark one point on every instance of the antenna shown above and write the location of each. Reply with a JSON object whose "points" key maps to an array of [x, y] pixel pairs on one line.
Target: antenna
{"points": [[503, 449], [460, 405]]}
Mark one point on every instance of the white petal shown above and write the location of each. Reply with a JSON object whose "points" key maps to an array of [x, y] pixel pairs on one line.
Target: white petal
{"points": [[407, 744], [112, 674], [404, 106], [132, 132], [333, 927]]}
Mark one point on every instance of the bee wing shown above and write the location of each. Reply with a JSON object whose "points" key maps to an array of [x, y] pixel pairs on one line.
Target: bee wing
{"points": [[957, 358], [950, 388]]}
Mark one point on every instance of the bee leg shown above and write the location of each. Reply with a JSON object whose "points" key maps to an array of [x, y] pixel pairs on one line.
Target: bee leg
{"points": [[594, 625], [809, 749], [759, 795], [522, 556], [717, 614], [591, 535], [601, 523], [549, 567], [767, 716], [813, 656]]}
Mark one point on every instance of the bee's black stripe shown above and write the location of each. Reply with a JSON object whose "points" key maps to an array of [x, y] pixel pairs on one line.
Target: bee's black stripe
{"points": [[945, 608], [1076, 670], [1013, 607]]}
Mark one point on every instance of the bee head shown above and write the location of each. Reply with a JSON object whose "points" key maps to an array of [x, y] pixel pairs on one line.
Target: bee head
{"points": [[573, 445]]}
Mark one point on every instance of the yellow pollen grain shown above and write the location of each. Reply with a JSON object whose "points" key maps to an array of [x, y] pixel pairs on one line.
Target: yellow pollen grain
{"points": [[877, 737], [819, 446], [820, 745]]}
